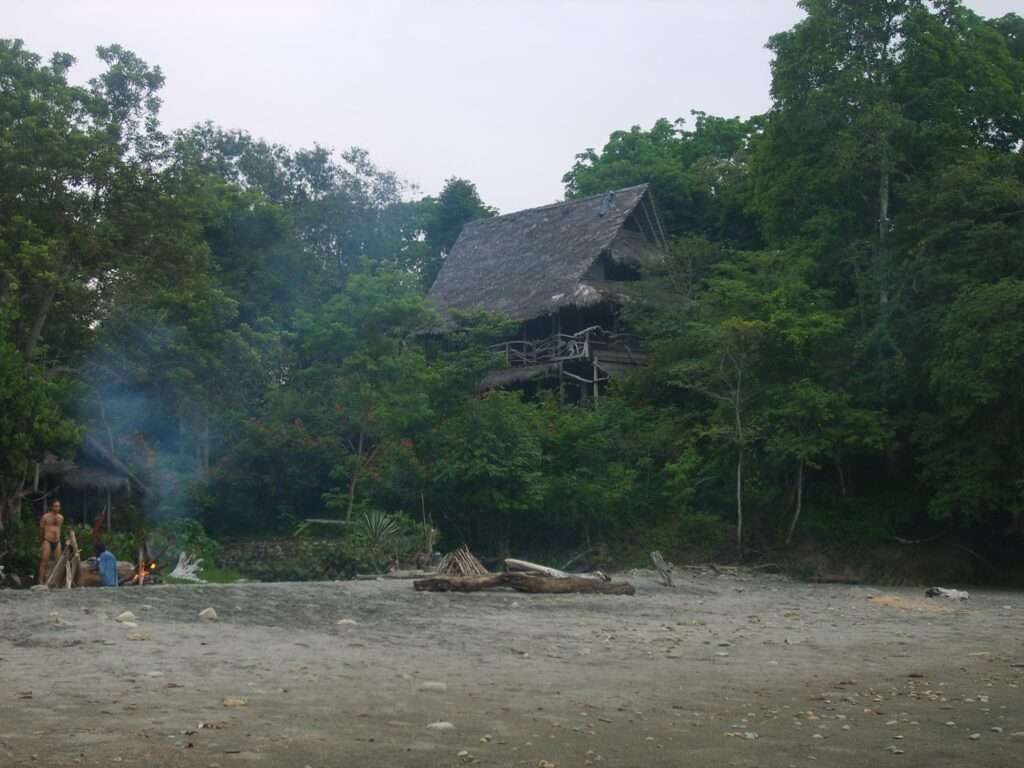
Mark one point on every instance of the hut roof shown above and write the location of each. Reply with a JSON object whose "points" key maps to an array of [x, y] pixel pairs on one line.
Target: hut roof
{"points": [[103, 471], [531, 263]]}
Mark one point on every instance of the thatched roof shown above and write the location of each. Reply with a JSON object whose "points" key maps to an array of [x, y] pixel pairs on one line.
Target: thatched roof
{"points": [[93, 479], [103, 471], [531, 263]]}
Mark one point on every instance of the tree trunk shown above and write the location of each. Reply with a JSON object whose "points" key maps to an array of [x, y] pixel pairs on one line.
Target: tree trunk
{"points": [[355, 476], [738, 413], [204, 443], [799, 501], [883, 260], [523, 582], [106, 426], [739, 503], [842, 475], [525, 565], [882, 263], [38, 324]]}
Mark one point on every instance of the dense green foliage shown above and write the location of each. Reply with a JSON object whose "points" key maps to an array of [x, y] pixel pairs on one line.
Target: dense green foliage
{"points": [[836, 328]]}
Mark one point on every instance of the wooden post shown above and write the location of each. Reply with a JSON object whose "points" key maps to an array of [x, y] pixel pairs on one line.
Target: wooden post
{"points": [[595, 382], [58, 567], [74, 560]]}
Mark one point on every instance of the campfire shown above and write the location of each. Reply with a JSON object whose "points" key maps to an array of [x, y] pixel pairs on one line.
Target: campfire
{"points": [[146, 570]]}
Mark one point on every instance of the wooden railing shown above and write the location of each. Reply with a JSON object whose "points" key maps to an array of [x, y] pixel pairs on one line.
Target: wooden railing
{"points": [[562, 347]]}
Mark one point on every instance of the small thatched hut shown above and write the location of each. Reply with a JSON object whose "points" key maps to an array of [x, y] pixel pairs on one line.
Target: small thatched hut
{"points": [[89, 485], [562, 271]]}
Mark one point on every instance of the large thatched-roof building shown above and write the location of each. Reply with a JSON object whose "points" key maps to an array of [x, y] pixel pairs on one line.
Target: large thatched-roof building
{"points": [[562, 271]]}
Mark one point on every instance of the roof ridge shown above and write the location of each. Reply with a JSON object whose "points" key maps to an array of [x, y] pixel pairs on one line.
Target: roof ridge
{"points": [[560, 203]]}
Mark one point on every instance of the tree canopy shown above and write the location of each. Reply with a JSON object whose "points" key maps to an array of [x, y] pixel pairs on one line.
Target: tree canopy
{"points": [[834, 331]]}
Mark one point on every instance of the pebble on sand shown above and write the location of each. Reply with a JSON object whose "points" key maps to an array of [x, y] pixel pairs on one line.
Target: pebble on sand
{"points": [[208, 614], [441, 725], [125, 617]]}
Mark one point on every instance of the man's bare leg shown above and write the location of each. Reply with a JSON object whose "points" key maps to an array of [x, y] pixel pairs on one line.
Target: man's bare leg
{"points": [[49, 548], [44, 557]]}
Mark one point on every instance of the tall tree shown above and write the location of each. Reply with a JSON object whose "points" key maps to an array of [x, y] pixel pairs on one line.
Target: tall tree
{"points": [[867, 97], [442, 220], [698, 176]]}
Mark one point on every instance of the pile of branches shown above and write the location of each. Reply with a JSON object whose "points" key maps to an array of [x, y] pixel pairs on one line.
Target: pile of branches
{"points": [[461, 562]]}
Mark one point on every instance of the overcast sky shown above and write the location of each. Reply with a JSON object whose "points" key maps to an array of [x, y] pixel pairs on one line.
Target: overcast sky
{"points": [[503, 93]]}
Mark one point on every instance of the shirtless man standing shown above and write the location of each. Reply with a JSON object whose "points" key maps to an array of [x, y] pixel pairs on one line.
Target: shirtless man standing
{"points": [[50, 525]]}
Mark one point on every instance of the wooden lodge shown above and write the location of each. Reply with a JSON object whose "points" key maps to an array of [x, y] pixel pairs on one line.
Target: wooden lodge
{"points": [[563, 271]]}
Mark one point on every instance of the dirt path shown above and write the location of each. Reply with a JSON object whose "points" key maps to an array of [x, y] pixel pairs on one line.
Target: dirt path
{"points": [[720, 672]]}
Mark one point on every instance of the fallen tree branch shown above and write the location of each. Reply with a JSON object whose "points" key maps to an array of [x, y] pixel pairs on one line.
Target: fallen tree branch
{"points": [[525, 565], [579, 556], [393, 575], [523, 582]]}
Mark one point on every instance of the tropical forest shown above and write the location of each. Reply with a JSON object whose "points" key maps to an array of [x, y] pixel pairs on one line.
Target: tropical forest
{"points": [[834, 330]]}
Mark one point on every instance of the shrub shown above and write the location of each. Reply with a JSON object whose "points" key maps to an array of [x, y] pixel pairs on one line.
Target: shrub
{"points": [[376, 538], [123, 545], [682, 537], [168, 538], [23, 545]]}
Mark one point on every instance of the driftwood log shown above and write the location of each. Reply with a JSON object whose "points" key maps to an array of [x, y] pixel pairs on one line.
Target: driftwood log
{"points": [[90, 576], [523, 582], [525, 565], [662, 567], [393, 575]]}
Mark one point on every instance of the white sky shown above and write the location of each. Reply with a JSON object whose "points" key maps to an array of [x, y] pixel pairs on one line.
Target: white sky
{"points": [[503, 93]]}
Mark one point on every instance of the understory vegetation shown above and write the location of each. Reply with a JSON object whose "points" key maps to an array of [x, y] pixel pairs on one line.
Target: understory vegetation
{"points": [[836, 330]]}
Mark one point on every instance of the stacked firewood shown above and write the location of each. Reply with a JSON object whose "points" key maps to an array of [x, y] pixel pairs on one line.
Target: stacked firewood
{"points": [[461, 562]]}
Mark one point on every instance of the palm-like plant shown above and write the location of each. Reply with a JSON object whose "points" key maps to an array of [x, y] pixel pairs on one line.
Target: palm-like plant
{"points": [[378, 529]]}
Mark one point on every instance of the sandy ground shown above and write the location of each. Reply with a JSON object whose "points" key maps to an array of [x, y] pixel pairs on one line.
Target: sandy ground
{"points": [[722, 671]]}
